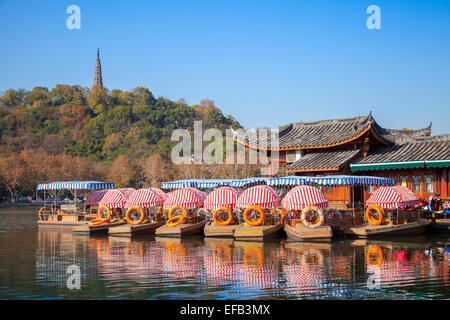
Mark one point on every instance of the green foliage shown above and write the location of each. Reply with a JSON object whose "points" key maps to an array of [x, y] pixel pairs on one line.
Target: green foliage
{"points": [[98, 123]]}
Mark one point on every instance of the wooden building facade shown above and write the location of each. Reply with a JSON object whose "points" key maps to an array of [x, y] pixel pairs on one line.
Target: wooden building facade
{"points": [[360, 146]]}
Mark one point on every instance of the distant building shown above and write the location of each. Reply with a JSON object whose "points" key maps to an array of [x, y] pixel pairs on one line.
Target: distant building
{"points": [[360, 146], [98, 71]]}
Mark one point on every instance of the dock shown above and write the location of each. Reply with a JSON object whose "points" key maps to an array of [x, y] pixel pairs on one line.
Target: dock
{"points": [[99, 228], [128, 230]]}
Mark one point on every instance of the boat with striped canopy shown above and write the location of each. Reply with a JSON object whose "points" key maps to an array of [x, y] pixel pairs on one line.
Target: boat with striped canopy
{"points": [[222, 219], [185, 216], [144, 213], [305, 217], [54, 213], [389, 212], [259, 204]]}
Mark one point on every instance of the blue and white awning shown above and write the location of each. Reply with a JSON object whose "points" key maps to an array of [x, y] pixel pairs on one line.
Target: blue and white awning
{"points": [[342, 180], [76, 185], [282, 181]]}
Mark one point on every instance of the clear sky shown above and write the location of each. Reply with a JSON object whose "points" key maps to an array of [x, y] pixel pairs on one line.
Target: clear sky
{"points": [[267, 63]]}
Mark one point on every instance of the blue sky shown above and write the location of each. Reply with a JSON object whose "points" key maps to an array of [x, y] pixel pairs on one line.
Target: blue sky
{"points": [[267, 63]]}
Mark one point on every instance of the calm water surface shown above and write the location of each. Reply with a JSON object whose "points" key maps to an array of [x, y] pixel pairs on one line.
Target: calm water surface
{"points": [[34, 261]]}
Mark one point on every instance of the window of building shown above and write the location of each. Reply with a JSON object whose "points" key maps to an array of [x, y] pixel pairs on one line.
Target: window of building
{"points": [[416, 184], [293, 155], [404, 181], [429, 184]]}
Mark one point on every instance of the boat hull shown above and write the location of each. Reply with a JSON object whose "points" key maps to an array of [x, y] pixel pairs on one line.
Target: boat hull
{"points": [[128, 230], [213, 230], [257, 233], [300, 232], [439, 226], [184, 229], [417, 227], [63, 220], [100, 228]]}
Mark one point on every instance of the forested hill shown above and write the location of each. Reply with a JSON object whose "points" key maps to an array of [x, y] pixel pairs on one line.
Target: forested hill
{"points": [[98, 123], [101, 130]]}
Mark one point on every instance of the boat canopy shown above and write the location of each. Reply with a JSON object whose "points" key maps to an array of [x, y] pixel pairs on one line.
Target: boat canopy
{"points": [[304, 196], [338, 180], [262, 195], [76, 185], [393, 197]]}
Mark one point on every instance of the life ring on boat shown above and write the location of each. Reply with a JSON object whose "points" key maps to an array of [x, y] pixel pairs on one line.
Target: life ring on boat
{"points": [[254, 222], [98, 221], [108, 212], [370, 219], [141, 215], [309, 211], [374, 255], [183, 210], [253, 253], [222, 222], [331, 214], [174, 221], [41, 213]]}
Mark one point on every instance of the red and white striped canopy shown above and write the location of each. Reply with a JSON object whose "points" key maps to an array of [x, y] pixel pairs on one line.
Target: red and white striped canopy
{"points": [[392, 197], [116, 198], [160, 193], [261, 195], [188, 198], [95, 197], [144, 198], [301, 197], [221, 197]]}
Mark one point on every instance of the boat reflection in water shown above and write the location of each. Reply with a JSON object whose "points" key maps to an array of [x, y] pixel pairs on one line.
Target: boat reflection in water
{"points": [[174, 268]]}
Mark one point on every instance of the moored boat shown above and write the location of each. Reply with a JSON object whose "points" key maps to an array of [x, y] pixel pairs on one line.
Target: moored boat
{"points": [[72, 214], [260, 222], [396, 220], [305, 219], [222, 217], [185, 216]]}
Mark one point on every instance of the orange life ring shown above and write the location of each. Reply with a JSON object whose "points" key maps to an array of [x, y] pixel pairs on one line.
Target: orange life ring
{"points": [[312, 224], [253, 253], [98, 221], [221, 222], [141, 217], [253, 222], [370, 218], [41, 210], [174, 221], [108, 212], [374, 255], [183, 210]]}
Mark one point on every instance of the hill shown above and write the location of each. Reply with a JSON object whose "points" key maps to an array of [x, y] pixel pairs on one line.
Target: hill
{"points": [[71, 132]]}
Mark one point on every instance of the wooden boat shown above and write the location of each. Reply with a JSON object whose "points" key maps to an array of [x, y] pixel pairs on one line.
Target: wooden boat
{"points": [[183, 229], [211, 229], [99, 228], [257, 233], [66, 219], [367, 230], [299, 232], [138, 229]]}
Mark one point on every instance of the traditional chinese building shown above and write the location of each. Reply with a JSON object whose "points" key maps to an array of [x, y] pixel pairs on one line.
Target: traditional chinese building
{"points": [[360, 146]]}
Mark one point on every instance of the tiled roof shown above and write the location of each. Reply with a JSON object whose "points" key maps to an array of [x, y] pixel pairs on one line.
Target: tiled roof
{"points": [[321, 160], [315, 133], [401, 136], [414, 149]]}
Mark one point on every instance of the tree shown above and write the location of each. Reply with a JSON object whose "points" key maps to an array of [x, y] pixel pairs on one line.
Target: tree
{"points": [[37, 96], [155, 170], [11, 98]]}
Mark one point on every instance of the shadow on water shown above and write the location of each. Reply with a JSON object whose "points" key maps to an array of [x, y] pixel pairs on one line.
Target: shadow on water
{"points": [[34, 263]]}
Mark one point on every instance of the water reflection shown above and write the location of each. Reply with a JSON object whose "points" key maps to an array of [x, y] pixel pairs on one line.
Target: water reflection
{"points": [[34, 261]]}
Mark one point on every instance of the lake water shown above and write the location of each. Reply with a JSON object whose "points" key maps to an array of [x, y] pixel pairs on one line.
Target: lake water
{"points": [[34, 264]]}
